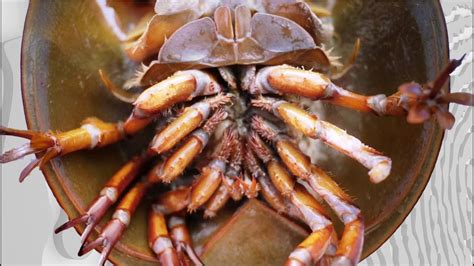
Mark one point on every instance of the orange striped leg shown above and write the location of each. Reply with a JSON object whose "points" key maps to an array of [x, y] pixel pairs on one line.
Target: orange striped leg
{"points": [[286, 80], [114, 229], [211, 176], [315, 245], [182, 239], [321, 241], [310, 211], [159, 239], [217, 201], [108, 196], [418, 101], [350, 247], [190, 119], [174, 165], [333, 136], [94, 133]]}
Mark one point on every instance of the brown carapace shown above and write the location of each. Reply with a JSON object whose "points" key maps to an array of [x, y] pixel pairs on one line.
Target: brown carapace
{"points": [[231, 64]]}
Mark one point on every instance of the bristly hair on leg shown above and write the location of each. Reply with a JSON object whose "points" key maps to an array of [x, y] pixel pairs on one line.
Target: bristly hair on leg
{"points": [[215, 120], [259, 147], [263, 128], [219, 100], [39, 142], [227, 143], [264, 103], [428, 100], [251, 163]]}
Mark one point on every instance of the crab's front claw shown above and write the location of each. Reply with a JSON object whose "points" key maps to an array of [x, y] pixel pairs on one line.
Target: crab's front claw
{"points": [[115, 228], [424, 101]]}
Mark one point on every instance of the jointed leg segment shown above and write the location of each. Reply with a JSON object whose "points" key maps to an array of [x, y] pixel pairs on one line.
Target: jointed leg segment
{"points": [[333, 136], [94, 133], [418, 101], [350, 247]]}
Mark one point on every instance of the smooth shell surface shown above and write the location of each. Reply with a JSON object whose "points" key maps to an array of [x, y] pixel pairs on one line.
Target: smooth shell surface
{"points": [[66, 42]]}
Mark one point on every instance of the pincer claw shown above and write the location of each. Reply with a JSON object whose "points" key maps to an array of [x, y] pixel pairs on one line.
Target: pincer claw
{"points": [[423, 101]]}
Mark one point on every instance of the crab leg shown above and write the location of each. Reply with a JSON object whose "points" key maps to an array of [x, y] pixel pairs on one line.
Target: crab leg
{"points": [[217, 201], [350, 247], [159, 239], [173, 166], [232, 178], [285, 80], [272, 196], [171, 202], [310, 211], [108, 196], [269, 192], [114, 229], [94, 133], [333, 136], [188, 121], [315, 245], [211, 177], [249, 185], [182, 239]]}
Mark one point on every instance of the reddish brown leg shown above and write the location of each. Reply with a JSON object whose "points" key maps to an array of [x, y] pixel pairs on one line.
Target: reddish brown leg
{"points": [[173, 202], [159, 239], [190, 119], [417, 101], [114, 229], [108, 196], [350, 247], [211, 176], [174, 165]]}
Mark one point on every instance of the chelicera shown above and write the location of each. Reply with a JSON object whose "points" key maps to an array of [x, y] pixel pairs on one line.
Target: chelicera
{"points": [[238, 66]]}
